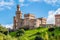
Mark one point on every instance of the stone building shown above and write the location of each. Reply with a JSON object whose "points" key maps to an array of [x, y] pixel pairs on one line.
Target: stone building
{"points": [[57, 19], [28, 20]]}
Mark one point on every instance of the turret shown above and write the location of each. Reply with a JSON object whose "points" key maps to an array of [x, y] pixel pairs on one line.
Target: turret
{"points": [[18, 8], [18, 12]]}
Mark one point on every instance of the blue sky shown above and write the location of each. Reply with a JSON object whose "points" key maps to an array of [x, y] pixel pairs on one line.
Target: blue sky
{"points": [[40, 8]]}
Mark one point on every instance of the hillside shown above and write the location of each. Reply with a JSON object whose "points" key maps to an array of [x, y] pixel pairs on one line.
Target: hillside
{"points": [[44, 33], [40, 33]]}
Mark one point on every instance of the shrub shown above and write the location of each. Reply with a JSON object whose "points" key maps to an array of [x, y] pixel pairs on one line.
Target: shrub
{"points": [[38, 38], [6, 32], [51, 29], [3, 29], [22, 38], [20, 32], [52, 34], [38, 33], [8, 37]]}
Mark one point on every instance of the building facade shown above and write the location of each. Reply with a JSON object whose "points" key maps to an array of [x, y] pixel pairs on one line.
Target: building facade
{"points": [[29, 20], [57, 19]]}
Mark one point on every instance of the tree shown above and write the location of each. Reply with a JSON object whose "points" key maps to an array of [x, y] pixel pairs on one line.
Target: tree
{"points": [[20, 32]]}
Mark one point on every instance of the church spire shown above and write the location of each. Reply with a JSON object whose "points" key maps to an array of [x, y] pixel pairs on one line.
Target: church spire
{"points": [[18, 7]]}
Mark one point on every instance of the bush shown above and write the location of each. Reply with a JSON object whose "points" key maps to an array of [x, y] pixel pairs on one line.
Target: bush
{"points": [[8, 37], [2, 36], [22, 38], [6, 32], [20, 32], [38, 38], [51, 29], [52, 34], [3, 29], [38, 33]]}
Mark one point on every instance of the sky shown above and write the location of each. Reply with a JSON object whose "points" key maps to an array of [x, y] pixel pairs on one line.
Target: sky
{"points": [[40, 8]]}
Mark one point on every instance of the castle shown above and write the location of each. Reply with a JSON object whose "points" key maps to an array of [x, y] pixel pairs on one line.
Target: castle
{"points": [[29, 20]]}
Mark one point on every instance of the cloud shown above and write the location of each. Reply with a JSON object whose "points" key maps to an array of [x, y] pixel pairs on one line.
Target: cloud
{"points": [[22, 5], [51, 16], [4, 4], [8, 25], [21, 1], [34, 0], [52, 2]]}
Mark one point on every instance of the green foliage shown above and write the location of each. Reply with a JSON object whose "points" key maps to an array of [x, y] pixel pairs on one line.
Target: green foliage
{"points": [[40, 33], [22, 38], [2, 36], [38, 38], [20, 32], [51, 29], [3, 29], [6, 37]]}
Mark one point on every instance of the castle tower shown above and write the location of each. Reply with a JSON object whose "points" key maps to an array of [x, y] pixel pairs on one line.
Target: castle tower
{"points": [[18, 12], [17, 18]]}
